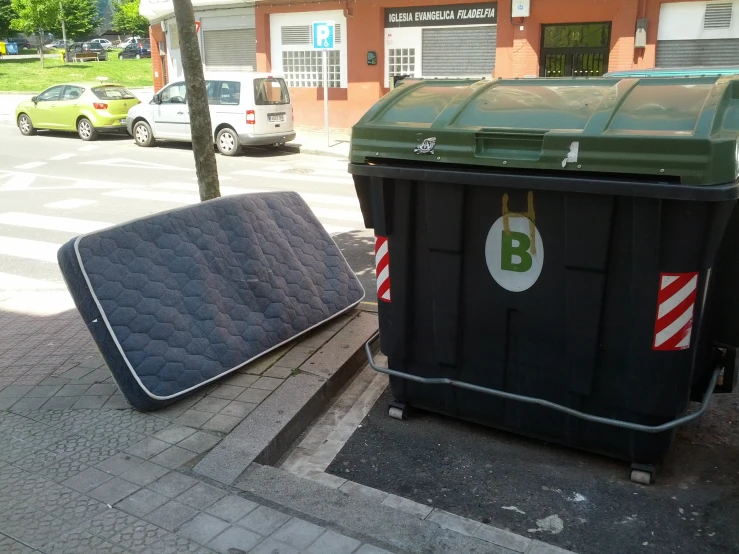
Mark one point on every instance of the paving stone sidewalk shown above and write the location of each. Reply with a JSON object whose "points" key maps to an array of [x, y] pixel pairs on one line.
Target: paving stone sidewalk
{"points": [[80, 471]]}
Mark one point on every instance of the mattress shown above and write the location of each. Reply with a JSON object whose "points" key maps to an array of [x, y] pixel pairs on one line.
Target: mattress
{"points": [[181, 298]]}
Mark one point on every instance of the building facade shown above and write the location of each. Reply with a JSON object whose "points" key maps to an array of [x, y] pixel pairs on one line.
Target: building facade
{"points": [[376, 40]]}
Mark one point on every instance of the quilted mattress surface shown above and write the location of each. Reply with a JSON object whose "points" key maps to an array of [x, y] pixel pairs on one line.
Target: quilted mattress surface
{"points": [[180, 298]]}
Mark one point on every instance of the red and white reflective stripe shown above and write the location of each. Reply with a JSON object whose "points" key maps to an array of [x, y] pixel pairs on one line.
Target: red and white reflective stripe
{"points": [[675, 307], [382, 268]]}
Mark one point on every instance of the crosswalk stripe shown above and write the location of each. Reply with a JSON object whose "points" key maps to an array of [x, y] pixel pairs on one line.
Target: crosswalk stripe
{"points": [[60, 157], [70, 204], [335, 230], [51, 223], [295, 177], [30, 165], [19, 181], [350, 201], [191, 187], [12, 282], [340, 215], [28, 249], [155, 196]]}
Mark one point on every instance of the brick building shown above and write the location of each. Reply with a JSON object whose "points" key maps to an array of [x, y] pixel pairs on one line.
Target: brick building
{"points": [[377, 39]]}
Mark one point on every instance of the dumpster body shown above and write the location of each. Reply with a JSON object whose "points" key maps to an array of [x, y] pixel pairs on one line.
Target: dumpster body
{"points": [[547, 251], [12, 47], [3, 48]]}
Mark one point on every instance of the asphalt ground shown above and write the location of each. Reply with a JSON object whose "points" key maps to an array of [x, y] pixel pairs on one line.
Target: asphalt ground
{"points": [[569, 498]]}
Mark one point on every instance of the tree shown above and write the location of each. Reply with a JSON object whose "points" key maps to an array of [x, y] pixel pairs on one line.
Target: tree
{"points": [[6, 16], [80, 16], [197, 100], [33, 16], [127, 20]]}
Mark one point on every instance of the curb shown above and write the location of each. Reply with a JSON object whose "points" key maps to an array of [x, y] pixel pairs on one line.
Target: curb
{"points": [[270, 430], [358, 514], [314, 152]]}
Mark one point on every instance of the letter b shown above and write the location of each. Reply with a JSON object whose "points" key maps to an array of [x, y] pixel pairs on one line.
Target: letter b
{"points": [[515, 245]]}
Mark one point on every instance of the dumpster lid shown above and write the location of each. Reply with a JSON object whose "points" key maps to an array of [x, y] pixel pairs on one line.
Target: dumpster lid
{"points": [[681, 129]]}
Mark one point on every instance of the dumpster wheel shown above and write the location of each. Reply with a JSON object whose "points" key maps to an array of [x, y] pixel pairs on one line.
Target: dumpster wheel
{"points": [[398, 410], [644, 474]]}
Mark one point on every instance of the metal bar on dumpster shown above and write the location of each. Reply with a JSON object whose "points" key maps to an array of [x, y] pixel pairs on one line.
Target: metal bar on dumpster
{"points": [[533, 400]]}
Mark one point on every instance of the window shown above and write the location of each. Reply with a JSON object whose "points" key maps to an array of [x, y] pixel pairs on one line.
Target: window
{"points": [[113, 93], [50, 95], [401, 61], [72, 93], [174, 94], [293, 56], [304, 68], [225, 93], [270, 92]]}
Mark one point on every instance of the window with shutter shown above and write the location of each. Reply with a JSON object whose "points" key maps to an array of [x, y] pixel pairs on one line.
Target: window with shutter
{"points": [[230, 49]]}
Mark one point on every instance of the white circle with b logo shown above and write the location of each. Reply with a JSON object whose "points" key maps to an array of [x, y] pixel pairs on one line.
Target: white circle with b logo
{"points": [[514, 252]]}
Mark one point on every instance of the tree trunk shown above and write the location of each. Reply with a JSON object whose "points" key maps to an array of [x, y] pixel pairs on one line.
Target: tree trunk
{"points": [[41, 47], [197, 100]]}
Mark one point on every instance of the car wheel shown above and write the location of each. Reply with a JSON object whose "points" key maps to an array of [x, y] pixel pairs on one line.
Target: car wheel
{"points": [[85, 129], [138, 56], [25, 125], [142, 134], [227, 142]]}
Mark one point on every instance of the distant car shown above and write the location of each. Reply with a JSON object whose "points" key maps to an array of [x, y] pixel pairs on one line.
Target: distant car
{"points": [[136, 50], [21, 42], [58, 44], [104, 42], [87, 108], [130, 40], [87, 51]]}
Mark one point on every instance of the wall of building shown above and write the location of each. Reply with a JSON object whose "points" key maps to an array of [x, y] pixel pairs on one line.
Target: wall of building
{"points": [[364, 32], [156, 35]]}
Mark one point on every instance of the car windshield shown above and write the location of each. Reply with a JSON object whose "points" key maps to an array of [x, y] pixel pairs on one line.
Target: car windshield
{"points": [[113, 93], [92, 46], [270, 91]]}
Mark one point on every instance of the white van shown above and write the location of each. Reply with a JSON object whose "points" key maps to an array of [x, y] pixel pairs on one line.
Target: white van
{"points": [[246, 109]]}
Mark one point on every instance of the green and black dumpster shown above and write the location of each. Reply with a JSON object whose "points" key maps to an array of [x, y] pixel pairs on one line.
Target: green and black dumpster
{"points": [[557, 257]]}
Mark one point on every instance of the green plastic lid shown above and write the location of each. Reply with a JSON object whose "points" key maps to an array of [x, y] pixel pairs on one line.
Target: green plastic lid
{"points": [[684, 128]]}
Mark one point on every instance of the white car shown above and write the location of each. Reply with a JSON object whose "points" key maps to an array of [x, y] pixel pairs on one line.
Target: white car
{"points": [[131, 40], [246, 109], [104, 42]]}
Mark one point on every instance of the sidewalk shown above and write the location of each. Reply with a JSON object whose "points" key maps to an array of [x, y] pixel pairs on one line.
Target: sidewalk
{"points": [[80, 471], [314, 141]]}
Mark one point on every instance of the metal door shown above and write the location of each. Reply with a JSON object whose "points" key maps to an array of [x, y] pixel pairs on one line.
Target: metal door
{"points": [[577, 50]]}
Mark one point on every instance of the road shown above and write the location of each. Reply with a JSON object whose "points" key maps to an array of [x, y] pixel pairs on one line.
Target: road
{"points": [[54, 187], [575, 500]]}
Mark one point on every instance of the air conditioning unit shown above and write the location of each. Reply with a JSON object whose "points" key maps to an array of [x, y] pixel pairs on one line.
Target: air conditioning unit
{"points": [[520, 8]]}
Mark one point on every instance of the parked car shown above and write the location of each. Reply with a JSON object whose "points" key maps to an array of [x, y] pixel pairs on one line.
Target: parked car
{"points": [[21, 42], [104, 42], [136, 50], [246, 109], [130, 40], [87, 51], [87, 108], [59, 44]]}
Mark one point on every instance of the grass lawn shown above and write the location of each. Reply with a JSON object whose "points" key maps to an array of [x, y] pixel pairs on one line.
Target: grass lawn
{"points": [[27, 75]]}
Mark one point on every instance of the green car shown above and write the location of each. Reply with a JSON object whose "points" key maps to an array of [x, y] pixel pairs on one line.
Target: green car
{"points": [[85, 108]]}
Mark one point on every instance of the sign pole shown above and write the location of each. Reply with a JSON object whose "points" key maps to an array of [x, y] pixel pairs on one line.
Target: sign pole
{"points": [[325, 96]]}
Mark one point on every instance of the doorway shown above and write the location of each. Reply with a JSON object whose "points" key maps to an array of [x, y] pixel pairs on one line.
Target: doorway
{"points": [[574, 50]]}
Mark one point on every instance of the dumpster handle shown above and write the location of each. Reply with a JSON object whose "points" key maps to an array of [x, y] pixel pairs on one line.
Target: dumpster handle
{"points": [[532, 400]]}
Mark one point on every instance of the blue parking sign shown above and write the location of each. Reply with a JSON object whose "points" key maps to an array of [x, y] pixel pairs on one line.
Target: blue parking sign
{"points": [[323, 35]]}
